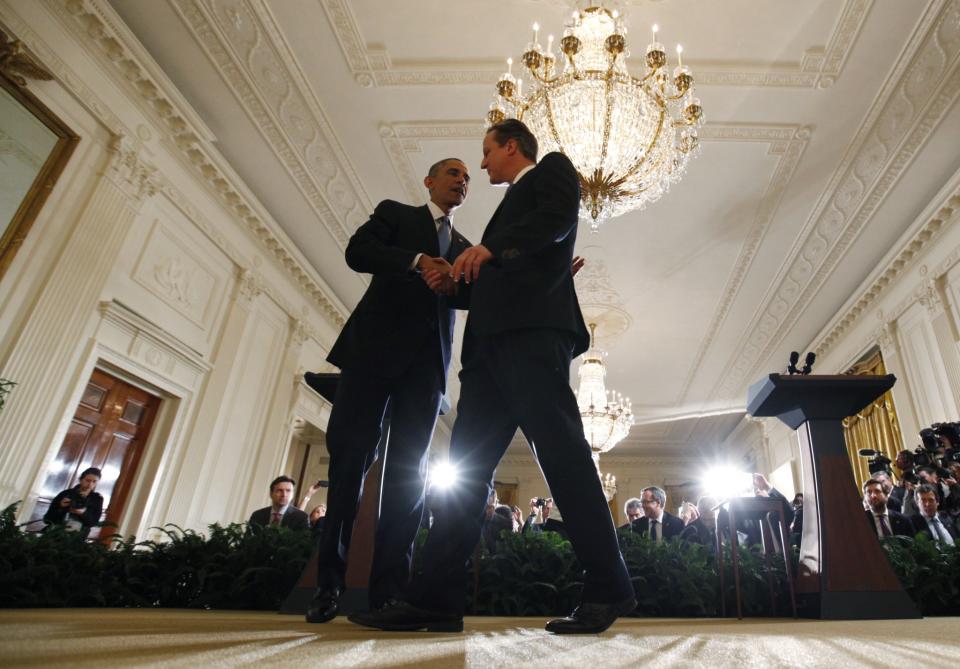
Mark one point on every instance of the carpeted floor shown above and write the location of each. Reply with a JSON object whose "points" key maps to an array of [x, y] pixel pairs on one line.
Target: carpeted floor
{"points": [[101, 638]]}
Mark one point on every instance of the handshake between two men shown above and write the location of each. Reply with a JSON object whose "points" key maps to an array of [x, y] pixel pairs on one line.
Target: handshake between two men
{"points": [[443, 278]]}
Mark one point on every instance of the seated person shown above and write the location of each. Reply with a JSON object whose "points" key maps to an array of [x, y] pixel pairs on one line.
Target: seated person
{"points": [[499, 520], [656, 523], [688, 513], [281, 511], [633, 510], [77, 508], [317, 516], [885, 523], [932, 521], [703, 530]]}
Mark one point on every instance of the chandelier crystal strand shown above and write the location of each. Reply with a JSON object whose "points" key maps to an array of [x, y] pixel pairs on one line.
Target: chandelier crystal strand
{"points": [[607, 416], [629, 137]]}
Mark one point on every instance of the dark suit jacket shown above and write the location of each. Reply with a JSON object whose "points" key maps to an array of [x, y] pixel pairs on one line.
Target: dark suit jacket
{"points": [[293, 518], [398, 314], [531, 235], [899, 524], [920, 524], [672, 526], [697, 532]]}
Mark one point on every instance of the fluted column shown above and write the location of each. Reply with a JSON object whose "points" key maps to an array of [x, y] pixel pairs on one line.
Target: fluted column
{"points": [[43, 360], [200, 458], [902, 396], [933, 299], [278, 432]]}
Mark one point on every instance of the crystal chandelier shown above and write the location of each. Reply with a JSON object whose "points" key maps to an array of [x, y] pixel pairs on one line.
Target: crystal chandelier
{"points": [[628, 137], [607, 416]]}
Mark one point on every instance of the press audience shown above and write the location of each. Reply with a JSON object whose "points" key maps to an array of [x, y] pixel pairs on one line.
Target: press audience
{"points": [[656, 523], [885, 522], [78, 508], [281, 512], [938, 525]]}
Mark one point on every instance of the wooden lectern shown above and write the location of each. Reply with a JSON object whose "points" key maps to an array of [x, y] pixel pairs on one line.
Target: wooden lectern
{"points": [[844, 573]]}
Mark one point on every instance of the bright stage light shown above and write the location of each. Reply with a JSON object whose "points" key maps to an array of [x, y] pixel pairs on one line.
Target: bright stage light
{"points": [[725, 482], [443, 474]]}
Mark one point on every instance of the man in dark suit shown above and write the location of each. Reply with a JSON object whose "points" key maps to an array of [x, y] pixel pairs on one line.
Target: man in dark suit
{"points": [[281, 511], [938, 525], [523, 329], [656, 523], [395, 348], [886, 523]]}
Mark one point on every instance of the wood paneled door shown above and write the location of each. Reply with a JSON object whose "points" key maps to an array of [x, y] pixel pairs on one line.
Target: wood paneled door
{"points": [[109, 430]]}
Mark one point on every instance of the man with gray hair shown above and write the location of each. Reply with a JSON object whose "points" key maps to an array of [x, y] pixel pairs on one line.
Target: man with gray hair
{"points": [[657, 524], [633, 510]]}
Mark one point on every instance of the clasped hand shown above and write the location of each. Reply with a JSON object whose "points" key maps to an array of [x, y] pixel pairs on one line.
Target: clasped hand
{"points": [[435, 272]]}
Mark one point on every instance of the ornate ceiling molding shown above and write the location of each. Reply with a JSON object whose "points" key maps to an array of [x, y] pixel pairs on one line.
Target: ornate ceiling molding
{"points": [[819, 67], [95, 24], [921, 88], [242, 40], [945, 213], [787, 142]]}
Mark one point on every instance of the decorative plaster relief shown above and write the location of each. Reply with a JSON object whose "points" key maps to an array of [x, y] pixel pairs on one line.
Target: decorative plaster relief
{"points": [[921, 88], [94, 23], [169, 269], [819, 67], [243, 42], [788, 142]]}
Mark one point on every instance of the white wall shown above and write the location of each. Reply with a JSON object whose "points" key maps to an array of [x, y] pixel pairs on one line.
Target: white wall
{"points": [[152, 261], [909, 307]]}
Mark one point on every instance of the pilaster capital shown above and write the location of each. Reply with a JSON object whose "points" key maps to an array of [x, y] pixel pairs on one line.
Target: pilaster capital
{"points": [[886, 339], [929, 296], [299, 331], [249, 285], [128, 171]]}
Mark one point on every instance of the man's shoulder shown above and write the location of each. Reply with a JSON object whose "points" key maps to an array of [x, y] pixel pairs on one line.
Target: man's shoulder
{"points": [[392, 207], [556, 162], [260, 513]]}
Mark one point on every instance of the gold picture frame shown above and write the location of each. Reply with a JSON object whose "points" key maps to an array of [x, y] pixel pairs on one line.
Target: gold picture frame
{"points": [[17, 66]]}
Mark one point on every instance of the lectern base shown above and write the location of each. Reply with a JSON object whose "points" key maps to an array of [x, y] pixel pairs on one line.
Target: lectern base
{"points": [[857, 605]]}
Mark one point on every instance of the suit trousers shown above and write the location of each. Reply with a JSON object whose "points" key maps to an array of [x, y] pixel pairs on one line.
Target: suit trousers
{"points": [[353, 433], [509, 380]]}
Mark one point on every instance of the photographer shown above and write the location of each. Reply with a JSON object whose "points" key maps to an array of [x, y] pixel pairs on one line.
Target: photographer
{"points": [[540, 508], [77, 508]]}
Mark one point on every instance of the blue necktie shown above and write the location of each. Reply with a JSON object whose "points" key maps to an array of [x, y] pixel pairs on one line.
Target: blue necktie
{"points": [[443, 235]]}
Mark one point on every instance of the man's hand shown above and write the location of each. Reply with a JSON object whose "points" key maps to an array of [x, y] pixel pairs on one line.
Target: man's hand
{"points": [[761, 485], [578, 263], [469, 263], [435, 273], [78, 512], [65, 502]]}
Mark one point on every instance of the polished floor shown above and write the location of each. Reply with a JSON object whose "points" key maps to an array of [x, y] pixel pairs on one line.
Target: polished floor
{"points": [[81, 638]]}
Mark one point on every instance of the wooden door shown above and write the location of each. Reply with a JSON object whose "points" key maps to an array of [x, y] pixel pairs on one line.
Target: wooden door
{"points": [[109, 430]]}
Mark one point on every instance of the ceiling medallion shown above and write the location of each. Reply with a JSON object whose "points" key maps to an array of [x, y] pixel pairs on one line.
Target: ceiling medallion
{"points": [[628, 137]]}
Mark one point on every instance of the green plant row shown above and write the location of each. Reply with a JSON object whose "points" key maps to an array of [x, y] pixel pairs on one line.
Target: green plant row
{"points": [[253, 567]]}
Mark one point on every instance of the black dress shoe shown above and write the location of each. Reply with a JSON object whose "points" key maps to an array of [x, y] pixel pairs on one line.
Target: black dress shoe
{"points": [[398, 616], [324, 605], [591, 618]]}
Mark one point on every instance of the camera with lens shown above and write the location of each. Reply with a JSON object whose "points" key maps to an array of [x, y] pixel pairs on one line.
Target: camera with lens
{"points": [[937, 450], [540, 501], [877, 461]]}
